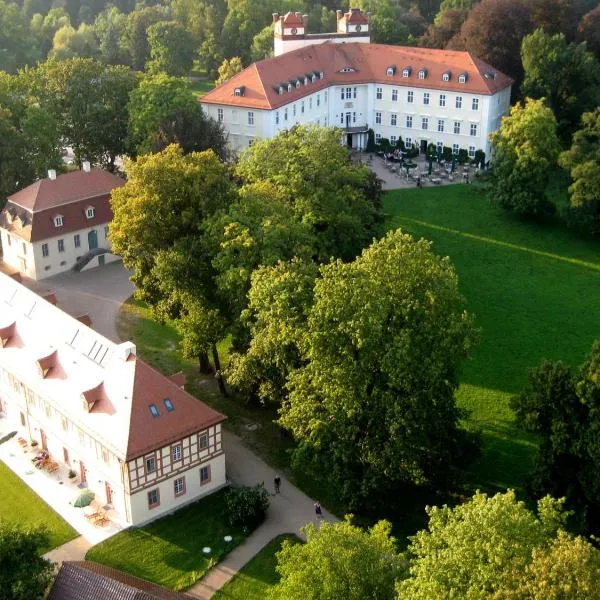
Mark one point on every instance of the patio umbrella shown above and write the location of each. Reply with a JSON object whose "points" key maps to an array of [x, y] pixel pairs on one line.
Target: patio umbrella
{"points": [[84, 499]]}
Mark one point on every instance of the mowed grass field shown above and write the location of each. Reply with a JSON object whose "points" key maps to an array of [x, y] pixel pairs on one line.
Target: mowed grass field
{"points": [[20, 504], [535, 292]]}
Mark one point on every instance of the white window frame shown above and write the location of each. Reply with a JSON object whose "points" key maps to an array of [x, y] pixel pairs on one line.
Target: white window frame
{"points": [[473, 129], [410, 96], [379, 93], [251, 118], [471, 151], [456, 128], [89, 212], [377, 118], [220, 114], [45, 250], [424, 123], [440, 125], [426, 98], [475, 104], [393, 119], [394, 95], [409, 121], [458, 102], [442, 100], [58, 221]]}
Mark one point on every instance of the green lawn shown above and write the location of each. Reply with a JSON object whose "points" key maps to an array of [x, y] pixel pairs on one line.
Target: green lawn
{"points": [[535, 292], [20, 504], [169, 550], [200, 87], [257, 577]]}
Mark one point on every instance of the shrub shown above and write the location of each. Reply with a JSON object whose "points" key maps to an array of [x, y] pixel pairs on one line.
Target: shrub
{"points": [[72, 474], [447, 153], [479, 158], [370, 141], [400, 144], [431, 151], [247, 506], [463, 156], [385, 145]]}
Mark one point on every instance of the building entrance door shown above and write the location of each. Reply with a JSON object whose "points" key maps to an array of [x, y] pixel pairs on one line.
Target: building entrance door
{"points": [[423, 146], [101, 260], [349, 140], [93, 239], [348, 119]]}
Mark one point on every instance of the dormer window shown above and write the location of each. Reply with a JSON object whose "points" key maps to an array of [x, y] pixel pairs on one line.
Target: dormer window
{"points": [[280, 90], [422, 73], [446, 76], [347, 70], [89, 212], [297, 83], [313, 77], [239, 91], [320, 74], [406, 72], [462, 78], [58, 221], [391, 70], [153, 410], [289, 87], [306, 81]]}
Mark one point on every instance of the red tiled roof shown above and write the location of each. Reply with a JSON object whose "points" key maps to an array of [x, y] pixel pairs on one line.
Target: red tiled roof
{"points": [[355, 16], [369, 61], [69, 187], [292, 19], [85, 319], [147, 432], [178, 379], [69, 196]]}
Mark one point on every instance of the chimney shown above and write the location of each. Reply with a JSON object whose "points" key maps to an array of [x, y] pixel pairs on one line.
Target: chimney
{"points": [[85, 165], [305, 22], [52, 174], [275, 17]]}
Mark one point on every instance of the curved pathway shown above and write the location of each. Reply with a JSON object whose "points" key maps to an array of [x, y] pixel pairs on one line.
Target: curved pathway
{"points": [[288, 512]]}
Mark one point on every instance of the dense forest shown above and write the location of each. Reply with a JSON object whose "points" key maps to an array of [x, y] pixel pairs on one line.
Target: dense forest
{"points": [[184, 35]]}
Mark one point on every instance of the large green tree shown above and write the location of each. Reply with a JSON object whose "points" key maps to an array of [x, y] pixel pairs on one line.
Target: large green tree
{"points": [[494, 547], [526, 149], [17, 47], [563, 409], [163, 111], [156, 228], [87, 100], [339, 560], [24, 574], [583, 162], [316, 178], [373, 406], [566, 75], [172, 48]]}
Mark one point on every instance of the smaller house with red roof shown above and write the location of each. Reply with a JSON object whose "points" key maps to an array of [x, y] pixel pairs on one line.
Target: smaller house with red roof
{"points": [[59, 223], [142, 444]]}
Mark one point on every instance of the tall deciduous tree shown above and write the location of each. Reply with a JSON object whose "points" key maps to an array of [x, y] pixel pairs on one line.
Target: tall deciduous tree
{"points": [[589, 31], [172, 48], [563, 408], [338, 199], [24, 574], [583, 162], [566, 75], [526, 150], [156, 228], [494, 547], [229, 67], [87, 99], [339, 560], [374, 404]]}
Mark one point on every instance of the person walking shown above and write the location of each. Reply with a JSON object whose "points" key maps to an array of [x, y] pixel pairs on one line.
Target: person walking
{"points": [[277, 483], [318, 510]]}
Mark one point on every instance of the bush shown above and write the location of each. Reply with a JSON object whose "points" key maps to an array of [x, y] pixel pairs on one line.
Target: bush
{"points": [[247, 506], [463, 156], [431, 151], [385, 145], [72, 474], [370, 141], [479, 158], [400, 144], [447, 153]]}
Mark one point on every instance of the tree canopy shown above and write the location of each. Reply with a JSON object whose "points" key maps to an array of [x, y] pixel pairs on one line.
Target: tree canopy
{"points": [[583, 162], [526, 149], [24, 574], [563, 409], [566, 75], [494, 547], [338, 560]]}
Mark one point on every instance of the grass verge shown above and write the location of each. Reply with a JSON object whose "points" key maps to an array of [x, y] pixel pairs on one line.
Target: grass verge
{"points": [[20, 504], [533, 289], [169, 551], [201, 87], [258, 576]]}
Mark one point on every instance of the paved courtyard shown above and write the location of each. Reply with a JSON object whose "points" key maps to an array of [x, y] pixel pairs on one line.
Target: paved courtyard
{"points": [[97, 292]]}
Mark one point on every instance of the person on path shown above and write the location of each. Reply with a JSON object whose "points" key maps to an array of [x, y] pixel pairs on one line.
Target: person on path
{"points": [[277, 483], [318, 510]]}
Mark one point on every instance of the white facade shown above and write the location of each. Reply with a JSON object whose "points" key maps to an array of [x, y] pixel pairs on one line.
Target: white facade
{"points": [[86, 401], [459, 120], [54, 255]]}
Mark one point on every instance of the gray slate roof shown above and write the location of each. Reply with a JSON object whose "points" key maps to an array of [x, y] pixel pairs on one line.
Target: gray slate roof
{"points": [[86, 580]]}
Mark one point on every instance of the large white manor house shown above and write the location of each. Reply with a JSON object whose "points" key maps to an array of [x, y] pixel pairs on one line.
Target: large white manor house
{"points": [[425, 96]]}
